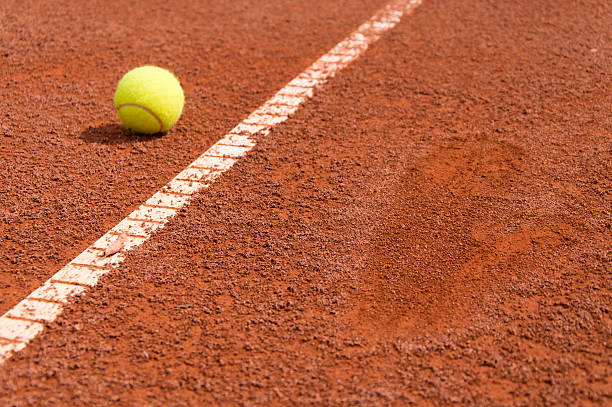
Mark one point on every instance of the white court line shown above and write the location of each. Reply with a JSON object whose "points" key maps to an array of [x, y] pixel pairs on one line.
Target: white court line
{"points": [[26, 320]]}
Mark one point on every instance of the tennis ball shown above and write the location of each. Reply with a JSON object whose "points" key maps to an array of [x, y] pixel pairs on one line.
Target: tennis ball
{"points": [[149, 99]]}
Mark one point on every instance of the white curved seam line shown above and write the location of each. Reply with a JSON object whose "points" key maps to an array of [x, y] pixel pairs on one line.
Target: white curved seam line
{"points": [[161, 124]]}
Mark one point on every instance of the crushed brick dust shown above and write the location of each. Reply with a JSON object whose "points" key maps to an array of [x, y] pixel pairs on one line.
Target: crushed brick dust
{"points": [[433, 228]]}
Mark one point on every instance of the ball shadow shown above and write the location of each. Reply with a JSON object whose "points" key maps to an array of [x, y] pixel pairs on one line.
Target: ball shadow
{"points": [[113, 134]]}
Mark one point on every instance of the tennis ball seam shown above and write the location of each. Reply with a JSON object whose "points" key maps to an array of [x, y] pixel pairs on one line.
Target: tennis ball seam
{"points": [[161, 124]]}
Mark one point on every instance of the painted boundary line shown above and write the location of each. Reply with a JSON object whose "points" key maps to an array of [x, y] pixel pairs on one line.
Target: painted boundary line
{"points": [[28, 318]]}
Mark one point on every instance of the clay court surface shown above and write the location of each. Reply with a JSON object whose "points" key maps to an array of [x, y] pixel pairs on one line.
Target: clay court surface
{"points": [[433, 227]]}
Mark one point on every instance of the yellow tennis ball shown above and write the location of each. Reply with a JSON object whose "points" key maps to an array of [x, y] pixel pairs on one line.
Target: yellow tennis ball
{"points": [[149, 100]]}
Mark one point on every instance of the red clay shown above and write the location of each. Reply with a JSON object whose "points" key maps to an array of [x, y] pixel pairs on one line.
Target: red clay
{"points": [[429, 229], [69, 171]]}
